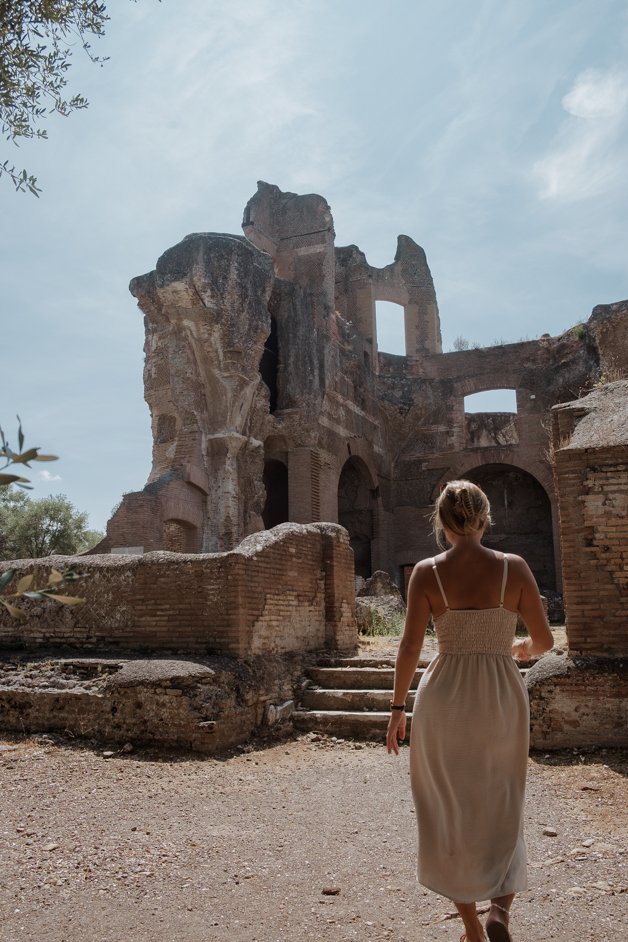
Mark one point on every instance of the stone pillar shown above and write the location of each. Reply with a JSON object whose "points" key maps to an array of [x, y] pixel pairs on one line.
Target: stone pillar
{"points": [[224, 498], [341, 631], [300, 485]]}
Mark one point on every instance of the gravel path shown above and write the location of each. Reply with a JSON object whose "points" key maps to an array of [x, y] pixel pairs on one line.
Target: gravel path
{"points": [[307, 838]]}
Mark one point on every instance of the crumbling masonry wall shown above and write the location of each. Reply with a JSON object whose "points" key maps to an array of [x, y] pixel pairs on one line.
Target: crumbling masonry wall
{"points": [[205, 705], [582, 699], [286, 590], [270, 400]]}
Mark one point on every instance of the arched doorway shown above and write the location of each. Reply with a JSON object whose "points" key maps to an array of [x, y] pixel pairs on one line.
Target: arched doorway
{"points": [[522, 518], [355, 511], [276, 485]]}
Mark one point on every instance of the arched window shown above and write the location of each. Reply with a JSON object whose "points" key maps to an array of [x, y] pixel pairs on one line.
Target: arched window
{"points": [[492, 400], [491, 419], [391, 329]]}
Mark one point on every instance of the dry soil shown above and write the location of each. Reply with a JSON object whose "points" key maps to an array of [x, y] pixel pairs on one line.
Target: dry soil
{"points": [[309, 839]]}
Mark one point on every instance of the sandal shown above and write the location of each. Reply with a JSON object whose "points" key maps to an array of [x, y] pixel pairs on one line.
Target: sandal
{"points": [[497, 931]]}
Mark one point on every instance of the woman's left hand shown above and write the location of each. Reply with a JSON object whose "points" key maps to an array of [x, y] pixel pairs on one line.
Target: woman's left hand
{"points": [[396, 732]]}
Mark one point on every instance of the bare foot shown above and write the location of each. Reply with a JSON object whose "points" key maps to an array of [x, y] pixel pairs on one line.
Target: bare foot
{"points": [[474, 934]]}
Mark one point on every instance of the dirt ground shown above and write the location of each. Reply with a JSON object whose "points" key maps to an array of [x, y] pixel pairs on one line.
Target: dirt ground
{"points": [[309, 838]]}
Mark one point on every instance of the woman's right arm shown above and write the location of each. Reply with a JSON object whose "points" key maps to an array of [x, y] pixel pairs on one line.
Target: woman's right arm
{"points": [[408, 653], [531, 609]]}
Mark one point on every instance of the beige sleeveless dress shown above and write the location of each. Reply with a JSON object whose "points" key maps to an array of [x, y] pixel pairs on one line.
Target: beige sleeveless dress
{"points": [[468, 757]]}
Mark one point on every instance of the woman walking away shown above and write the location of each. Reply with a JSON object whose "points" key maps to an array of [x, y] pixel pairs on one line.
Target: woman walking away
{"points": [[470, 724]]}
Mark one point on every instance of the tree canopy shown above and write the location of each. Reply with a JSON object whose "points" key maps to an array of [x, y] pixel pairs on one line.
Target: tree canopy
{"points": [[37, 39], [47, 526]]}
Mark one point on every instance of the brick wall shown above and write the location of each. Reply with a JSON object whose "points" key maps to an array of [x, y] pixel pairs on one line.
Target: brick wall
{"points": [[578, 702], [282, 590], [582, 700], [593, 500]]}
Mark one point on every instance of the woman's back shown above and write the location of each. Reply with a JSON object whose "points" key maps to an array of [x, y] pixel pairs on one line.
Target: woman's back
{"points": [[472, 577]]}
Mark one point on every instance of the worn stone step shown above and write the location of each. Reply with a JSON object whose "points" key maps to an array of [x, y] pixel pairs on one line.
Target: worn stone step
{"points": [[364, 678], [317, 698], [357, 660], [370, 660], [361, 678], [345, 723]]}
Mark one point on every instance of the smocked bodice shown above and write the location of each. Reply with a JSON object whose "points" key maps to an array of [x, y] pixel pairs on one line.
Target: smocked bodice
{"points": [[476, 631]]}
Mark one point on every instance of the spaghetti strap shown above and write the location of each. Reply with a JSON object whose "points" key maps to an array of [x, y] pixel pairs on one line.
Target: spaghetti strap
{"points": [[504, 578], [440, 584]]}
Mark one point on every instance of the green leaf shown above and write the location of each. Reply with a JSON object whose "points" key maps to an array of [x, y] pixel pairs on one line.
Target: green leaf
{"points": [[35, 596], [20, 434], [6, 577], [67, 599], [29, 455], [12, 610], [24, 584], [11, 479], [71, 575]]}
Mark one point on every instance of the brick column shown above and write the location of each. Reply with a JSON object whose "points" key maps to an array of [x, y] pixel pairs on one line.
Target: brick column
{"points": [[300, 485]]}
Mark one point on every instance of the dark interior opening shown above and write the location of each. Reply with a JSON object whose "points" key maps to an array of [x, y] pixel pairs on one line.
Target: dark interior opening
{"points": [[522, 518], [269, 364], [355, 512], [276, 484]]}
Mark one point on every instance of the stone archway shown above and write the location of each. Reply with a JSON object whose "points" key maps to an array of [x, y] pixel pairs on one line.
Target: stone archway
{"points": [[522, 517], [276, 508], [356, 511]]}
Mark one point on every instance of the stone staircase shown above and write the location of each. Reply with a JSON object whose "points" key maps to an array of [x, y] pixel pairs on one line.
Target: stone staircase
{"points": [[349, 697]]}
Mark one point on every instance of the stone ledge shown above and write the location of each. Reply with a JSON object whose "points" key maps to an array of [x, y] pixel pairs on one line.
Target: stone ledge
{"points": [[578, 702]]}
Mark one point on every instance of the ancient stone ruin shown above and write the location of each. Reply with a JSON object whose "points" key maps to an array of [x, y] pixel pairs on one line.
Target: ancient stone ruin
{"points": [[582, 699], [275, 418], [270, 401], [193, 651]]}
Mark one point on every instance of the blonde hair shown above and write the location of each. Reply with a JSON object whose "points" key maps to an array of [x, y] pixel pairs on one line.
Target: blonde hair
{"points": [[462, 507]]}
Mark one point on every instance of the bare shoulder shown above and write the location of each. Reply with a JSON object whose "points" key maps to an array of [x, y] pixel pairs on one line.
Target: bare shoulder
{"points": [[421, 573], [518, 567]]}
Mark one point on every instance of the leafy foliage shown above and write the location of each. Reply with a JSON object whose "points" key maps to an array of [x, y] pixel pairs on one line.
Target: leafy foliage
{"points": [[48, 526], [25, 590], [19, 457], [37, 38], [51, 525]]}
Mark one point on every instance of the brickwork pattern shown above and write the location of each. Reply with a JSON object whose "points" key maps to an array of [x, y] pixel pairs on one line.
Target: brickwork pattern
{"points": [[285, 590], [578, 702], [594, 527]]}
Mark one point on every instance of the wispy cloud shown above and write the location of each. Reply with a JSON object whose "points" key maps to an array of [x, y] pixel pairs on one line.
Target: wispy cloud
{"points": [[589, 152], [48, 477]]}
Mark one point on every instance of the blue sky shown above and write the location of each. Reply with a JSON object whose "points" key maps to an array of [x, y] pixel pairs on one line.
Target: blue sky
{"points": [[493, 133]]}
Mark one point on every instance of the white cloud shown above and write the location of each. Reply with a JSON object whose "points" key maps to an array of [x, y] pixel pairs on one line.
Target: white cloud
{"points": [[597, 95], [589, 151], [47, 476]]}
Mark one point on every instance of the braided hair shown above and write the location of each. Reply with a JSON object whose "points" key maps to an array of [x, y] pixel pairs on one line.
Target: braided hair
{"points": [[462, 507]]}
